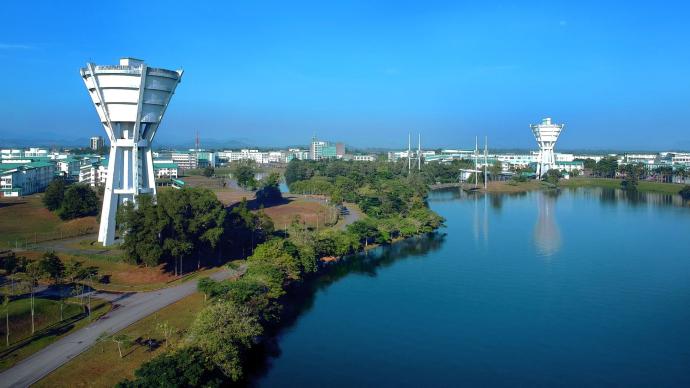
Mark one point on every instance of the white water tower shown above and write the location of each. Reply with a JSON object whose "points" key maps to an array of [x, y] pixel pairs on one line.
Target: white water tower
{"points": [[130, 99], [546, 134]]}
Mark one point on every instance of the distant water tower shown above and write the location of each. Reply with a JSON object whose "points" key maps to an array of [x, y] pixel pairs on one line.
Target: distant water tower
{"points": [[130, 99], [546, 134]]}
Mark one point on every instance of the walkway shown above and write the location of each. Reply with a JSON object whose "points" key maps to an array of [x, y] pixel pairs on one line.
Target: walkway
{"points": [[127, 309]]}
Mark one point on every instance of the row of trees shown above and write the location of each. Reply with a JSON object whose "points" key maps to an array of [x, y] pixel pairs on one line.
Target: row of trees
{"points": [[70, 201], [24, 275]]}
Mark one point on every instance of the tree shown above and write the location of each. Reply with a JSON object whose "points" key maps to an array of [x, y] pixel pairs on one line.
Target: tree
{"points": [[552, 177], [685, 192], [52, 266], [167, 330], [365, 231], [206, 286], [243, 171], [122, 341], [209, 171], [495, 170], [182, 223], [79, 201], [269, 193], [632, 176], [54, 194], [12, 263], [224, 332], [606, 167], [33, 273], [187, 367]]}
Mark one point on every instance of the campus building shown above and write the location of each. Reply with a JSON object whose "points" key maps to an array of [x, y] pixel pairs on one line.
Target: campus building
{"points": [[94, 173], [165, 169], [24, 177], [325, 150]]}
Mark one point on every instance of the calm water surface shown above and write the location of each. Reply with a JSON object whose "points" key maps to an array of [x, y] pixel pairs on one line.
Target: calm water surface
{"points": [[587, 287]]}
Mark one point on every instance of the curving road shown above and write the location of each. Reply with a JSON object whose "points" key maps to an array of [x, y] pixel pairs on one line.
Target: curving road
{"points": [[127, 309]]}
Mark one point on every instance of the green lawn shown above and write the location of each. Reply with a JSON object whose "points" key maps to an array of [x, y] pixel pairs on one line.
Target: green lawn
{"points": [[49, 327], [25, 220], [668, 188]]}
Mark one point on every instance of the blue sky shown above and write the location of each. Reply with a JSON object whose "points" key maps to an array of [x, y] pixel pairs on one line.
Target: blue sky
{"points": [[367, 73]]}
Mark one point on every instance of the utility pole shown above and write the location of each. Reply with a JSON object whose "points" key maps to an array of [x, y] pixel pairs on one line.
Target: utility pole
{"points": [[409, 149], [419, 153], [486, 160], [476, 156]]}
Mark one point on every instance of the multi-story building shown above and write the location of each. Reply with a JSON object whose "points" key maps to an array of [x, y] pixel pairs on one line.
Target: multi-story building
{"points": [[94, 174], [163, 169], [68, 166], [96, 143], [185, 160], [363, 158], [24, 177], [680, 159], [296, 153], [325, 150], [24, 154]]}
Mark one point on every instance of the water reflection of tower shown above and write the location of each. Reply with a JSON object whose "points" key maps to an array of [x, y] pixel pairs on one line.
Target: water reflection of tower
{"points": [[547, 235]]}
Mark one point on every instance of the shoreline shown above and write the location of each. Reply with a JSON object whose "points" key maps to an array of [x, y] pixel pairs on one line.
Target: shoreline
{"points": [[607, 183]]}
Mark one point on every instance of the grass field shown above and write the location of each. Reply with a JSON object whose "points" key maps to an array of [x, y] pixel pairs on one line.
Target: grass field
{"points": [[227, 195], [49, 327], [667, 188], [122, 276], [27, 219], [101, 366], [310, 212]]}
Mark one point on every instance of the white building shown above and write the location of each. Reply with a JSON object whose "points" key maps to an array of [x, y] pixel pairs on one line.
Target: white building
{"points": [[680, 159], [25, 177], [185, 160], [364, 158], [21, 154], [94, 174], [164, 169]]}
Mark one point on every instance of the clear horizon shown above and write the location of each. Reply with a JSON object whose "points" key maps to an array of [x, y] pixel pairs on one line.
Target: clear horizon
{"points": [[366, 74]]}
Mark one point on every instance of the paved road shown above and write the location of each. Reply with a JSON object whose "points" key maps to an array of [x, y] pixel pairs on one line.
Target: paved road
{"points": [[127, 309]]}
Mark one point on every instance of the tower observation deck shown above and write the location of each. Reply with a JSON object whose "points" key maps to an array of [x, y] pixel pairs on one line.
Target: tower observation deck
{"points": [[130, 99], [546, 134]]}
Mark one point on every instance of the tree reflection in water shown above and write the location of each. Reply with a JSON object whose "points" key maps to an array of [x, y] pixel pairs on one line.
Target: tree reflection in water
{"points": [[300, 298]]}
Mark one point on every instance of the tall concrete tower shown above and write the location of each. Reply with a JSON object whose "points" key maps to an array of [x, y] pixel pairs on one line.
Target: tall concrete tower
{"points": [[546, 134], [130, 99]]}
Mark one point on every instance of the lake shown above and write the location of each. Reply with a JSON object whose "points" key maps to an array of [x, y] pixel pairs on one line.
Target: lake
{"points": [[584, 287]]}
